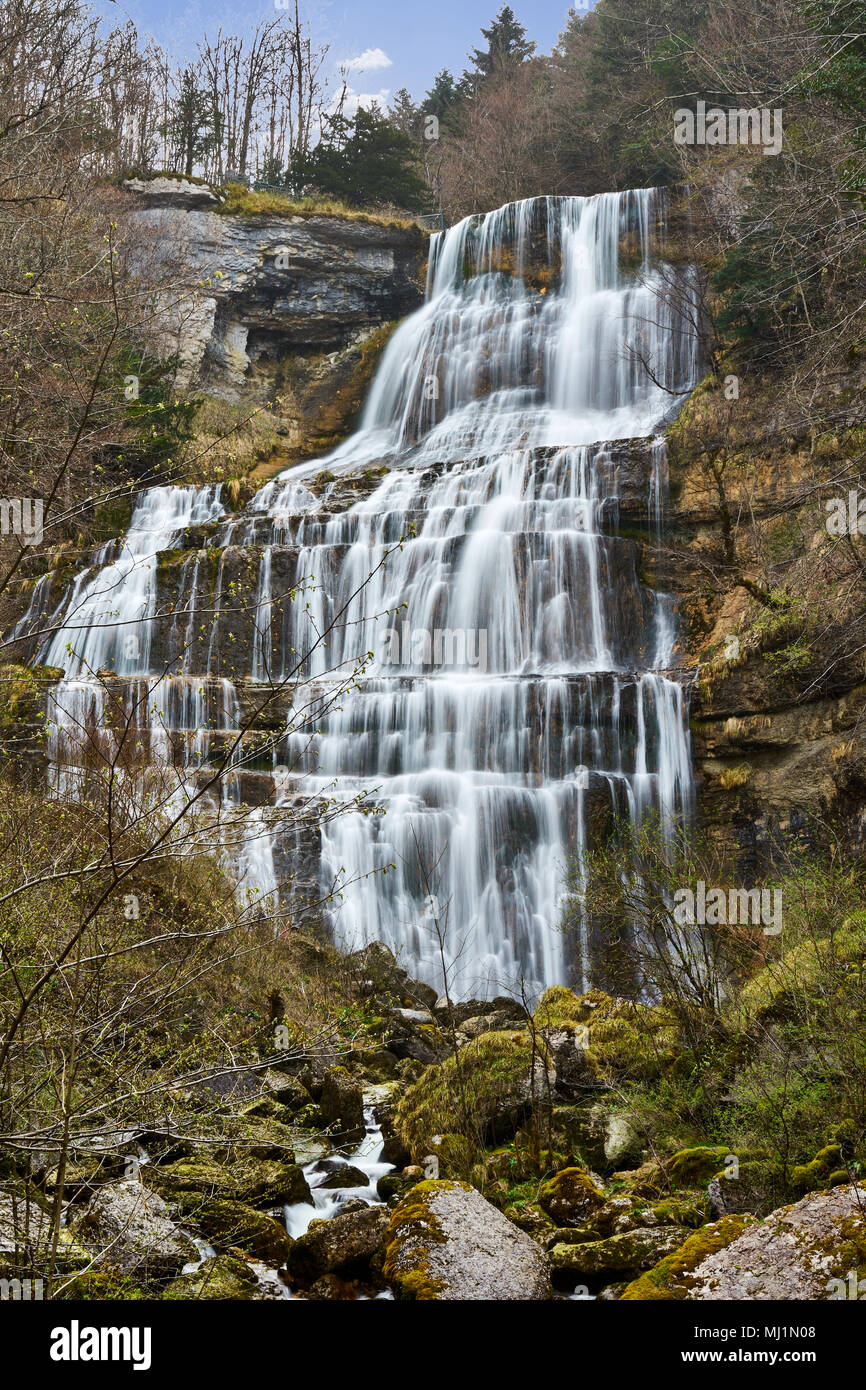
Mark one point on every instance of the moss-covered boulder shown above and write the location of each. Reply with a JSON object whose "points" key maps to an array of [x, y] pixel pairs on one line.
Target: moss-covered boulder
{"points": [[694, 1167], [444, 1241], [393, 1186], [571, 1197], [348, 1242], [220, 1277], [484, 1094], [823, 1171], [258, 1182], [345, 1175], [674, 1276], [230, 1225], [342, 1104], [618, 1255], [814, 1250], [684, 1211]]}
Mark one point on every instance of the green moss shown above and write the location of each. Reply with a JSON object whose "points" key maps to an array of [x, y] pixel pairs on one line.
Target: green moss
{"points": [[228, 1224], [810, 1177], [570, 1197], [680, 1211], [672, 1277], [220, 1277], [240, 201], [475, 1097], [413, 1232], [802, 970], [560, 1007], [694, 1167]]}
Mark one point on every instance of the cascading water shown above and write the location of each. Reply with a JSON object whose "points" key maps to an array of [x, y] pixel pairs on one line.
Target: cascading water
{"points": [[513, 701]]}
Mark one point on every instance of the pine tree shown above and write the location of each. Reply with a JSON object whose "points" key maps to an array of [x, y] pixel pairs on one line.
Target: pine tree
{"points": [[506, 44]]}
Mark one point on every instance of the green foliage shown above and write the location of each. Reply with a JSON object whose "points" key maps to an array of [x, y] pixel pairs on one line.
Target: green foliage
{"points": [[158, 420], [365, 161]]}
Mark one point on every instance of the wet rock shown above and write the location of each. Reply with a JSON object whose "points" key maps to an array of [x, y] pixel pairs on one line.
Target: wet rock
{"points": [[348, 1240], [344, 1176], [446, 1242], [129, 1228], [383, 1101], [396, 1185]]}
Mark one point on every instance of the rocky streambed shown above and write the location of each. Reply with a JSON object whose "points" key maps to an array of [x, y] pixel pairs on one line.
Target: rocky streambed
{"points": [[329, 1182]]}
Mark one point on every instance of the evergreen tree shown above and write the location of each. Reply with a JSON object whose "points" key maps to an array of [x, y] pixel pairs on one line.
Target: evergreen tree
{"points": [[507, 45], [403, 114], [365, 161]]}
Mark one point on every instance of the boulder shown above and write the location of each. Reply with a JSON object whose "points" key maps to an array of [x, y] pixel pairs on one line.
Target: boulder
{"points": [[673, 1277], [384, 1100], [345, 1176], [396, 1185], [342, 1103], [235, 1224], [575, 1073], [258, 1182], [348, 1240], [220, 1277], [25, 1238], [492, 1093], [445, 1242], [571, 1197], [492, 1022], [128, 1227], [804, 1251], [619, 1255], [695, 1167]]}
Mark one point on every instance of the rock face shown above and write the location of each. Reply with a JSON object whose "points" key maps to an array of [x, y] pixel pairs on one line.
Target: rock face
{"points": [[445, 1242], [129, 1228], [278, 305], [807, 1251]]}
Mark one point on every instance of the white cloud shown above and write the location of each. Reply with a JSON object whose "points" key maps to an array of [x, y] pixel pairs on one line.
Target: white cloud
{"points": [[369, 61], [355, 99]]}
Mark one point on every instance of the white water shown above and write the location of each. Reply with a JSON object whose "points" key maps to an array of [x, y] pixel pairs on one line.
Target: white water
{"points": [[492, 407]]}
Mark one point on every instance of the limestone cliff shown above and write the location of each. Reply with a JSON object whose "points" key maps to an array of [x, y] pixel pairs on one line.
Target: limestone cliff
{"points": [[278, 310]]}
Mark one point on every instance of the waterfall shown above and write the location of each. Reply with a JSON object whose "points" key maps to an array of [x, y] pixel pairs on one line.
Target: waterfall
{"points": [[500, 663]]}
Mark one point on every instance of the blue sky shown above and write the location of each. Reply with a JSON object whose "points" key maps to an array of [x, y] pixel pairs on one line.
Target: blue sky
{"points": [[407, 41]]}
